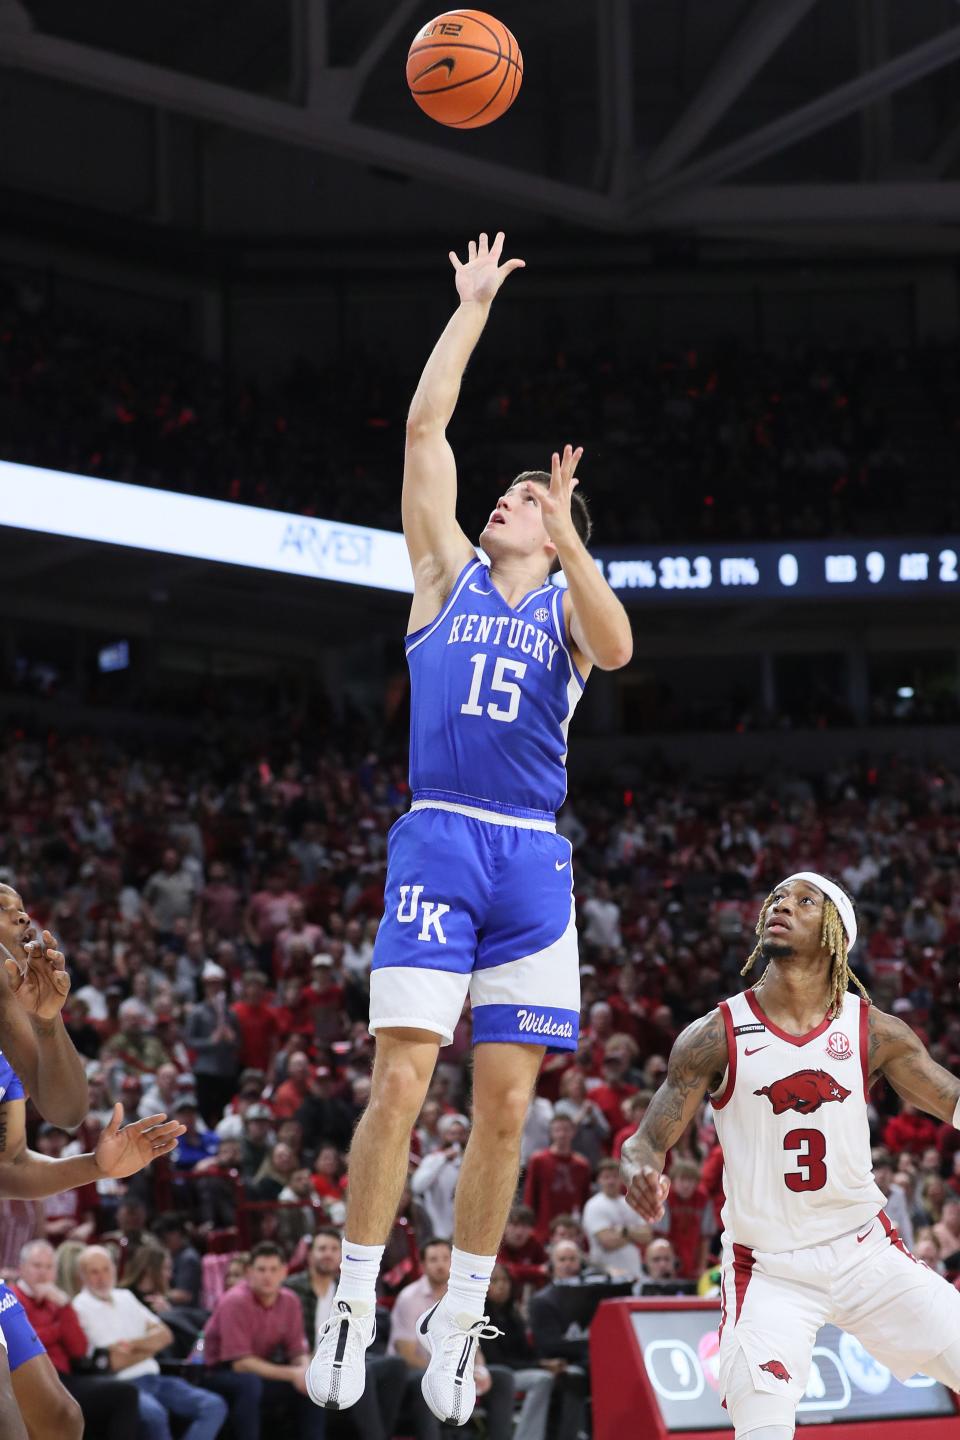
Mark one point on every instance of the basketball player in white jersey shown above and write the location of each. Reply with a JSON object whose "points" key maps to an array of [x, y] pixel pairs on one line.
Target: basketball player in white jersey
{"points": [[479, 894], [788, 1065]]}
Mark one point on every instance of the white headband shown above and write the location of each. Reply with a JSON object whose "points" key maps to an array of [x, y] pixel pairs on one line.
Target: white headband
{"points": [[836, 895]]}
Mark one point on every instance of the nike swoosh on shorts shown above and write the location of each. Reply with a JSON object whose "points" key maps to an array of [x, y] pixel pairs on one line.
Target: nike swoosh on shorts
{"points": [[561, 864], [861, 1238]]}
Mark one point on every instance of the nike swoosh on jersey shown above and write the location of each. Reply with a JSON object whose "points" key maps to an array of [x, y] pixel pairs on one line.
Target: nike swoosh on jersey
{"points": [[477, 591], [861, 1238], [447, 63], [561, 864], [756, 1049]]}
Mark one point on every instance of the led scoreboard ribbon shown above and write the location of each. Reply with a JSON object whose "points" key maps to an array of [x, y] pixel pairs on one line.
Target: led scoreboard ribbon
{"points": [[802, 569], [140, 518]]}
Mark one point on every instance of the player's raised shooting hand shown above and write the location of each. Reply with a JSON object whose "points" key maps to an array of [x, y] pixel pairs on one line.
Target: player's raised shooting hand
{"points": [[482, 275], [555, 502], [120, 1153], [38, 977], [647, 1192]]}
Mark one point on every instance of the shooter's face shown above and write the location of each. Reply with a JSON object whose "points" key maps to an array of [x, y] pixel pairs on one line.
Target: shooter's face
{"points": [[15, 925], [516, 525]]}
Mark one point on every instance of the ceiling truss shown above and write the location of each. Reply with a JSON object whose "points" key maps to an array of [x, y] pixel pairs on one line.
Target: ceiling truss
{"points": [[631, 195]]}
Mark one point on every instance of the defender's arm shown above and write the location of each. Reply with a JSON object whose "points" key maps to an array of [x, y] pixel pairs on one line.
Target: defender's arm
{"points": [[897, 1053], [697, 1064]]}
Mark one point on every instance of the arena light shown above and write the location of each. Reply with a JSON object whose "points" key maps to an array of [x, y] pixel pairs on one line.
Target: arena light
{"points": [[110, 513]]}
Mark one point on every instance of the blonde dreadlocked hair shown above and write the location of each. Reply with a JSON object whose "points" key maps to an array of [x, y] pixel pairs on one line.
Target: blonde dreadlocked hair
{"points": [[833, 937]]}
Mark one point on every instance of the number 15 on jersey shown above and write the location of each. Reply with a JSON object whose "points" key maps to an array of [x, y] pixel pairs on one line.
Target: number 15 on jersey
{"points": [[498, 684]]}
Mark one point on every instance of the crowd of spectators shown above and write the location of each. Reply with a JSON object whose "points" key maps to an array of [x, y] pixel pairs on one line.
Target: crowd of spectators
{"points": [[219, 924], [702, 444]]}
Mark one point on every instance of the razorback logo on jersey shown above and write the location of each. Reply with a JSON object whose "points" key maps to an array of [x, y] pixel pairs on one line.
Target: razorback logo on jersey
{"points": [[804, 1092], [778, 1370]]}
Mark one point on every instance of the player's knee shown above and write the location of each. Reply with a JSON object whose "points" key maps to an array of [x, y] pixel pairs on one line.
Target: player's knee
{"points": [[398, 1092], [503, 1114]]}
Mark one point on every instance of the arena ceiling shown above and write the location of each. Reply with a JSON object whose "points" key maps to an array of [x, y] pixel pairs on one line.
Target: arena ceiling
{"points": [[795, 123]]}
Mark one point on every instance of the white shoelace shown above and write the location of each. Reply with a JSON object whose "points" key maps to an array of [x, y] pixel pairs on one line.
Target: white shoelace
{"points": [[334, 1321], [480, 1330]]}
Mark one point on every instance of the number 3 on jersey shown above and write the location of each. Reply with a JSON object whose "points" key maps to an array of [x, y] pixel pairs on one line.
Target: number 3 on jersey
{"points": [[503, 667], [811, 1146]]}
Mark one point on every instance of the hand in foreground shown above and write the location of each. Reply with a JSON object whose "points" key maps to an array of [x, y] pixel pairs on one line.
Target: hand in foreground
{"points": [[555, 502], [43, 986], [647, 1193], [482, 275], [123, 1152]]}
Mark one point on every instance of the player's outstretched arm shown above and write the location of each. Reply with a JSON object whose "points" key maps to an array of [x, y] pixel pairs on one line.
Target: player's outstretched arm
{"points": [[595, 619], [896, 1052], [438, 547], [698, 1061], [26, 1175]]}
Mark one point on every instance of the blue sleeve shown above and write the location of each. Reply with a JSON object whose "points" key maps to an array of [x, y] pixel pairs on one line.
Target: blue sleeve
{"points": [[11, 1086]]}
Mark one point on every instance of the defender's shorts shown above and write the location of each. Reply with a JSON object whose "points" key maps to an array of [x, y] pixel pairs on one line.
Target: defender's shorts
{"points": [[20, 1340], [478, 901], [772, 1305]]}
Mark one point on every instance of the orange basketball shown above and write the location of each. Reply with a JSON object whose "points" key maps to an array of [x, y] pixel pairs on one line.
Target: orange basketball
{"points": [[464, 69]]}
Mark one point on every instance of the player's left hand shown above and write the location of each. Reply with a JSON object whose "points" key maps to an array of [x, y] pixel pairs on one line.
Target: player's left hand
{"points": [[555, 502], [120, 1153], [44, 985]]}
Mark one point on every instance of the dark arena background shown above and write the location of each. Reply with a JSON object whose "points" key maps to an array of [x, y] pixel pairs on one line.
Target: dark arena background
{"points": [[224, 232]]}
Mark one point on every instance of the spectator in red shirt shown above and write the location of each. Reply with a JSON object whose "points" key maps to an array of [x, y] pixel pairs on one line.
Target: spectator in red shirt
{"points": [[687, 1221], [290, 1095], [612, 1089], [259, 1031], [328, 1173], [293, 1014], [220, 902], [557, 1179], [110, 1407], [711, 1179], [634, 1109], [909, 1131], [257, 1354], [268, 913], [298, 930], [520, 1250]]}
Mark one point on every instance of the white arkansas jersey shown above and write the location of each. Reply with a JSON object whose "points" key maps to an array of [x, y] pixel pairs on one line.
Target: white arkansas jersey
{"points": [[791, 1117]]}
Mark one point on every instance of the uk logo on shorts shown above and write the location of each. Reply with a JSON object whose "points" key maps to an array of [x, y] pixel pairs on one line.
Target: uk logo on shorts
{"points": [[432, 913], [838, 1046]]}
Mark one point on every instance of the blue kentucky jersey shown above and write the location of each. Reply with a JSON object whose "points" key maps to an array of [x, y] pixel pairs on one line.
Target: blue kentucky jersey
{"points": [[492, 690], [11, 1087]]}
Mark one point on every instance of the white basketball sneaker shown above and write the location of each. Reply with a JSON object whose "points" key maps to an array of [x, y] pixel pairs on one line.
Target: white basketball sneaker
{"points": [[448, 1385], [337, 1373]]}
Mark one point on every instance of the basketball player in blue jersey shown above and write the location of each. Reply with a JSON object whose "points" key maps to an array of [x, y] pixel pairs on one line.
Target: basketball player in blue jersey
{"points": [[479, 893], [33, 989]]}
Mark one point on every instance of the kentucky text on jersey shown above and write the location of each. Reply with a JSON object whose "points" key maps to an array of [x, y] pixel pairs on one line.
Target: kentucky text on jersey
{"points": [[492, 690], [472, 629]]}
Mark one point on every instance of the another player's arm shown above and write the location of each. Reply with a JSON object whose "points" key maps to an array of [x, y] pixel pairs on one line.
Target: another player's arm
{"points": [[596, 621], [895, 1052], [437, 546], [25, 1175], [33, 1036], [697, 1065]]}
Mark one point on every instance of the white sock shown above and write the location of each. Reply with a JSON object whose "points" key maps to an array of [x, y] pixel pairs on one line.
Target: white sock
{"points": [[469, 1281], [358, 1273]]}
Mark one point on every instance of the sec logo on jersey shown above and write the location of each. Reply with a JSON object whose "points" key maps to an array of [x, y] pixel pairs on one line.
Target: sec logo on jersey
{"points": [[838, 1046]]}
